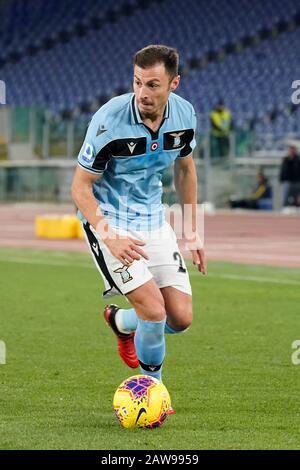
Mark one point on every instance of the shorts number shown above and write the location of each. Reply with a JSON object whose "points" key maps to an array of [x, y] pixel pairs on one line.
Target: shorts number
{"points": [[176, 256]]}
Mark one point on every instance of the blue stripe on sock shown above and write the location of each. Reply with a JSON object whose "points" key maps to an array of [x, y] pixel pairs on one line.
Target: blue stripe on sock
{"points": [[170, 331]]}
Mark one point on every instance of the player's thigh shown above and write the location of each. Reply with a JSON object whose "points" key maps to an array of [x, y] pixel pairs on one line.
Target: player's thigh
{"points": [[167, 264], [178, 307], [148, 301], [117, 278]]}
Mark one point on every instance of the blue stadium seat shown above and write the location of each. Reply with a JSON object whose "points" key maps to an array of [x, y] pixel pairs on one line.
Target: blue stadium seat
{"points": [[253, 83]]}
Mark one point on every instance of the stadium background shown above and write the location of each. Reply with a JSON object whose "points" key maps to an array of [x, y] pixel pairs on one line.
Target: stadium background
{"points": [[60, 62]]}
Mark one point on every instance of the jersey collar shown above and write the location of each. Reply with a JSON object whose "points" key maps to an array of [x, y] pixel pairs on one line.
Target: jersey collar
{"points": [[135, 113]]}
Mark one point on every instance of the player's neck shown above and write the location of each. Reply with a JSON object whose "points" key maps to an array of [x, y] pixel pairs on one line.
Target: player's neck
{"points": [[153, 120]]}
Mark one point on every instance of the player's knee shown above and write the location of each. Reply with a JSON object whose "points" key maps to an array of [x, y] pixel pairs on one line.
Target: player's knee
{"points": [[187, 317], [184, 324], [184, 318], [157, 312], [151, 311]]}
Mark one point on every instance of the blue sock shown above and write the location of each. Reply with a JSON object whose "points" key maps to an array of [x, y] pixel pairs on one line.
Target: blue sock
{"points": [[130, 320], [170, 331], [150, 346]]}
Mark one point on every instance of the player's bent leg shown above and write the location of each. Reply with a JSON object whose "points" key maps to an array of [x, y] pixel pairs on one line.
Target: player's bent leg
{"points": [[125, 340], [148, 302], [149, 338], [126, 321], [179, 310]]}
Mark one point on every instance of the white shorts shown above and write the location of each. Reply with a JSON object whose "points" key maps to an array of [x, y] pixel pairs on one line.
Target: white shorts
{"points": [[165, 265]]}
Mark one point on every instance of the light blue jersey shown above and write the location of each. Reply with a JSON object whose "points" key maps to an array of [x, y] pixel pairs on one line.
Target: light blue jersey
{"points": [[131, 158]]}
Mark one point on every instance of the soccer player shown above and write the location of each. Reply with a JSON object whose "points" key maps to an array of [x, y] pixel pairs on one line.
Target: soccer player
{"points": [[117, 188]]}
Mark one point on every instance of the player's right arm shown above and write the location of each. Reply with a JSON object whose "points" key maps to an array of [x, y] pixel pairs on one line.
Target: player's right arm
{"points": [[89, 170], [82, 195]]}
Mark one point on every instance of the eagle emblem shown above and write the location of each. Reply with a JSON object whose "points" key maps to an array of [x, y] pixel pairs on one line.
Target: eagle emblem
{"points": [[177, 139], [125, 274]]}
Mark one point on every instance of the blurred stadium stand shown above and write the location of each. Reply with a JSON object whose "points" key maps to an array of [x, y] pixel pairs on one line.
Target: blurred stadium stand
{"points": [[62, 60]]}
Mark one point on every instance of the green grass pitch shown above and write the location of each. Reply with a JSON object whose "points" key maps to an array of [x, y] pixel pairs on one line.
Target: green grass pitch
{"points": [[231, 377]]}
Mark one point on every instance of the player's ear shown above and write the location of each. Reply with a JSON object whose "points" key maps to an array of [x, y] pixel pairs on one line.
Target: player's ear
{"points": [[175, 82]]}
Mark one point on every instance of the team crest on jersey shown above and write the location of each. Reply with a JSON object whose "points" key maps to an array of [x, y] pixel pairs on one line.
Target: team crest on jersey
{"points": [[154, 146], [88, 152], [125, 274], [177, 139]]}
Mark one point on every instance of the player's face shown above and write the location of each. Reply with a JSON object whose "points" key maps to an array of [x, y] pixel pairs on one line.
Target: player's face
{"points": [[152, 87]]}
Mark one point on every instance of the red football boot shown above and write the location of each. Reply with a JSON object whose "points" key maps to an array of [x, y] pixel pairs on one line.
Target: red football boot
{"points": [[126, 347]]}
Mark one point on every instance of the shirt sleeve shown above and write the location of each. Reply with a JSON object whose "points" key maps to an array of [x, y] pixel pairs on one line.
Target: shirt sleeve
{"points": [[189, 137], [95, 153]]}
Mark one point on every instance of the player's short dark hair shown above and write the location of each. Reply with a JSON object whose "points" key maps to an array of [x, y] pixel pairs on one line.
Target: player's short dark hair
{"points": [[158, 54]]}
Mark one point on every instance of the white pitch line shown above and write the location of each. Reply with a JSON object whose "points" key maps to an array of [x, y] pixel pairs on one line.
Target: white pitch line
{"points": [[237, 277], [234, 277], [45, 262], [258, 256]]}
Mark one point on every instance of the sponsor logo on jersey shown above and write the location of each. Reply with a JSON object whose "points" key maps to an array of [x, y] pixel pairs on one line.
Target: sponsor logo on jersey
{"points": [[131, 146], [100, 130], [95, 248]]}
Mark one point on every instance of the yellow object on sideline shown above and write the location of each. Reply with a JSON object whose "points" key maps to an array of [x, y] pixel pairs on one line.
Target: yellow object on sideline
{"points": [[79, 230], [58, 227]]}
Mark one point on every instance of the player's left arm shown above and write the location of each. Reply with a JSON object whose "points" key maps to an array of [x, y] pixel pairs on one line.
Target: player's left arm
{"points": [[185, 179]]}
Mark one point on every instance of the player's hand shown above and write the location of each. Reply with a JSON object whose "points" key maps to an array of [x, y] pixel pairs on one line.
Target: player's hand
{"points": [[125, 249], [199, 259], [195, 245]]}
